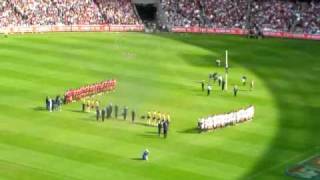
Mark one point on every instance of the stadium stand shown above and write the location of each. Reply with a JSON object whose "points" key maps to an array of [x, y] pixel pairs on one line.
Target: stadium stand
{"points": [[55, 12], [273, 15]]}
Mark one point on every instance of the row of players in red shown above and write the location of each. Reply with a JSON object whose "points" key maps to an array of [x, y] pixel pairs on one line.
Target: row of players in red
{"points": [[89, 90]]}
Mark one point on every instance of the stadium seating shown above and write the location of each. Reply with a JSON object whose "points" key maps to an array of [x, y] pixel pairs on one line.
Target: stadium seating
{"points": [[272, 15]]}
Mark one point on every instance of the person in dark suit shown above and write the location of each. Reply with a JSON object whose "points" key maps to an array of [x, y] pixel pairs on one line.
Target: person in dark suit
{"points": [[110, 110], [125, 112], [103, 114], [159, 128], [223, 85], [116, 108], [165, 129], [133, 116], [107, 112], [97, 114], [235, 90], [202, 85], [47, 103]]}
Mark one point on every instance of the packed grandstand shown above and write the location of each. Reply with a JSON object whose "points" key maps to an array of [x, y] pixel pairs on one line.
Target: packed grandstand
{"points": [[272, 15]]}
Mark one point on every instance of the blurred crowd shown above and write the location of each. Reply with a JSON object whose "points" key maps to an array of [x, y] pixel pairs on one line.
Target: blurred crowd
{"points": [[272, 15], [67, 12], [117, 12]]}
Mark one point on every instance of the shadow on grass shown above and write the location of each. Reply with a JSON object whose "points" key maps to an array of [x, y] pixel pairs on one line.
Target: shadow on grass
{"points": [[296, 117], [190, 131], [77, 111], [143, 124], [137, 159], [39, 108]]}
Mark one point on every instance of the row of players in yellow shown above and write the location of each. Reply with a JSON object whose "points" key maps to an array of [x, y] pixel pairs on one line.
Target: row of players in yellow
{"points": [[154, 118]]}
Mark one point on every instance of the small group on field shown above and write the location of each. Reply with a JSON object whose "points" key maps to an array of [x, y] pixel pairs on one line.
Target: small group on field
{"points": [[153, 118], [111, 111], [89, 90], [220, 81], [163, 127], [54, 104], [223, 120], [89, 105]]}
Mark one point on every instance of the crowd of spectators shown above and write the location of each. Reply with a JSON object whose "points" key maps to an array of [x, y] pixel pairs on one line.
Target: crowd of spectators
{"points": [[67, 12], [225, 13], [271, 15], [183, 13], [118, 12]]}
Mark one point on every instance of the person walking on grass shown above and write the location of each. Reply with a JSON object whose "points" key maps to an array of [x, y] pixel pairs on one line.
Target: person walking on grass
{"points": [[97, 114], [159, 128], [133, 116]]}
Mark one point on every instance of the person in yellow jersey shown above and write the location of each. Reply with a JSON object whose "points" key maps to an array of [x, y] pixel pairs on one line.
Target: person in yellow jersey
{"points": [[88, 105], [163, 117], [97, 104], [154, 118], [168, 120]]}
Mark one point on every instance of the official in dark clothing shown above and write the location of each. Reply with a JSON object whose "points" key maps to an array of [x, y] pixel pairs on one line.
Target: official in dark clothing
{"points": [[125, 112], [83, 107], [110, 110], [133, 116], [202, 85], [165, 129], [223, 85], [235, 90], [97, 114], [47, 103], [159, 128], [116, 111], [103, 114], [107, 112]]}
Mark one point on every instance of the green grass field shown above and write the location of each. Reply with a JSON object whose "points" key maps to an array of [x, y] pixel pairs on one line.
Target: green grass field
{"points": [[156, 72]]}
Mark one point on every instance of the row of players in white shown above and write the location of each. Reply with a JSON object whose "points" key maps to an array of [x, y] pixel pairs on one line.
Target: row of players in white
{"points": [[223, 120]]}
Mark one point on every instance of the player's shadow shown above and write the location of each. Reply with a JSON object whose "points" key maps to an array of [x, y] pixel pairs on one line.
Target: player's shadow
{"points": [[190, 131], [76, 111], [137, 159], [39, 108], [143, 124]]}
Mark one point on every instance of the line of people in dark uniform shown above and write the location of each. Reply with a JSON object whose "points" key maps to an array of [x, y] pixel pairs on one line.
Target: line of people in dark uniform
{"points": [[54, 104], [113, 112]]}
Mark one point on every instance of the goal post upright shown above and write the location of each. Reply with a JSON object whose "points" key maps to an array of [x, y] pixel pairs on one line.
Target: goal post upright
{"points": [[226, 71]]}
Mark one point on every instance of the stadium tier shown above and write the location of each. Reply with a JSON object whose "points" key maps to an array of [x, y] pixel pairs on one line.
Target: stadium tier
{"points": [[273, 15]]}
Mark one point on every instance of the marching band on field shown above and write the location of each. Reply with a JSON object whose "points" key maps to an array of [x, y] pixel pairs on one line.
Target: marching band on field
{"points": [[224, 120]]}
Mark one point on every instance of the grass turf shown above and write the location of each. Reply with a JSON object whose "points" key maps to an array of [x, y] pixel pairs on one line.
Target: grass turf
{"points": [[156, 72]]}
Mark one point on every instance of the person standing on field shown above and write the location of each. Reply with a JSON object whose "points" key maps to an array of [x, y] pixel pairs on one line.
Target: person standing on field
{"points": [[209, 88], [165, 129], [125, 112], [235, 90], [159, 128], [116, 108], [202, 85], [103, 114], [223, 84], [251, 85], [97, 114], [133, 116]]}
